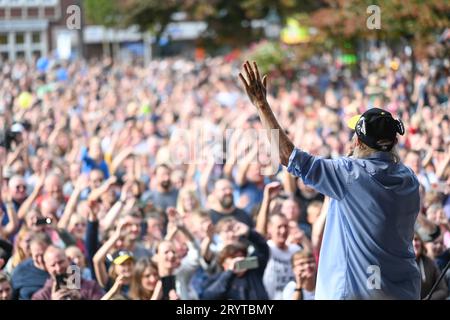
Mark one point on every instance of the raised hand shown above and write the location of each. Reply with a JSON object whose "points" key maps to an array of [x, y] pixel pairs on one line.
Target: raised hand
{"points": [[125, 191], [118, 284], [82, 182], [255, 87], [209, 229], [240, 229], [272, 189], [173, 216], [120, 231]]}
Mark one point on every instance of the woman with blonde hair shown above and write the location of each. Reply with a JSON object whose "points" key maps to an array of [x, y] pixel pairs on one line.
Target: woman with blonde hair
{"points": [[21, 250], [187, 203], [116, 278]]}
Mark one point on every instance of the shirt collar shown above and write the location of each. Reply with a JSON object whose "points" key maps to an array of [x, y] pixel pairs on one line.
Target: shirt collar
{"points": [[380, 155]]}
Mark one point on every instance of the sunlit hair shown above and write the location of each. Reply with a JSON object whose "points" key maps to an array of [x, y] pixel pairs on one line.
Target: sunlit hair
{"points": [[19, 255], [361, 150], [301, 254], [222, 223], [187, 192], [4, 277], [232, 251]]}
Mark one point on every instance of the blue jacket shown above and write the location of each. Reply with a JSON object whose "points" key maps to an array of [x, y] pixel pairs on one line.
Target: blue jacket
{"points": [[367, 249], [27, 279]]}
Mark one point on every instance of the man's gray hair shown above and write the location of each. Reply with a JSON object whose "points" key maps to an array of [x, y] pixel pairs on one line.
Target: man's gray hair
{"points": [[361, 150], [14, 178]]}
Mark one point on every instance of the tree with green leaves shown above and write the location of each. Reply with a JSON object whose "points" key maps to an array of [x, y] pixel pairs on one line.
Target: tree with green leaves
{"points": [[229, 22], [415, 21]]}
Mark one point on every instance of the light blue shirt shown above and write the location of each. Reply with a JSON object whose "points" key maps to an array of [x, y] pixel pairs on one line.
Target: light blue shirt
{"points": [[369, 227]]}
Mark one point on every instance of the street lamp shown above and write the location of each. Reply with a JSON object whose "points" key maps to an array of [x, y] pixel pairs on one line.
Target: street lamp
{"points": [[272, 26]]}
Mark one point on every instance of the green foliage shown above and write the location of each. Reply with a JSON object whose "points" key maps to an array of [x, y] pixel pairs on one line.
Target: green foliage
{"points": [[104, 12], [269, 56], [229, 21], [415, 20]]}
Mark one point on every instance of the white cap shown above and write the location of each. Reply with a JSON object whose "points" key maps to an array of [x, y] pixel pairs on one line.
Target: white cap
{"points": [[17, 128]]}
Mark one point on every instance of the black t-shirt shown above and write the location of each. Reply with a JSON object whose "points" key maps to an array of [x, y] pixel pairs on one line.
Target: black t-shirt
{"points": [[237, 213], [305, 201]]}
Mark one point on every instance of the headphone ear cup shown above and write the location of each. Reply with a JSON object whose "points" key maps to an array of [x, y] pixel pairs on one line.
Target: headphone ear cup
{"points": [[400, 127], [360, 127]]}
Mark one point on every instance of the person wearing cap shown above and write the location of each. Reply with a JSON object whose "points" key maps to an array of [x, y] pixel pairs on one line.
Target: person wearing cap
{"points": [[116, 276], [121, 270], [367, 248]]}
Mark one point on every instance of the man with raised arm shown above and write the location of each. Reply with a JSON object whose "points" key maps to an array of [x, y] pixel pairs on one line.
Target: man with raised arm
{"points": [[367, 250]]}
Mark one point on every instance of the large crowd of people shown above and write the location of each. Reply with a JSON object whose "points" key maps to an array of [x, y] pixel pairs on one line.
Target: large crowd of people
{"points": [[122, 181]]}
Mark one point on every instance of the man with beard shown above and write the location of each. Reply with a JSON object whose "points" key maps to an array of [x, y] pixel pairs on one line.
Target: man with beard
{"points": [[164, 195], [224, 206]]}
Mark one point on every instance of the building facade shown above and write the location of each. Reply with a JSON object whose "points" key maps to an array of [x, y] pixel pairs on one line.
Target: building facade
{"points": [[30, 28]]}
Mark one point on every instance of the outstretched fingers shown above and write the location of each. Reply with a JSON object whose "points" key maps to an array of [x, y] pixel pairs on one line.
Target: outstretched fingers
{"points": [[246, 85], [249, 71], [258, 77]]}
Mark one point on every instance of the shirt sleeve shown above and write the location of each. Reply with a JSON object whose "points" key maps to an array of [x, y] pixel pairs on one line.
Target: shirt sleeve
{"points": [[42, 294], [328, 176], [217, 288]]}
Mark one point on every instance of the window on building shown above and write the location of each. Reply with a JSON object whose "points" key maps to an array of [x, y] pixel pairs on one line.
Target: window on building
{"points": [[33, 12], [20, 55], [36, 54], [36, 37], [3, 56], [3, 38], [20, 38]]}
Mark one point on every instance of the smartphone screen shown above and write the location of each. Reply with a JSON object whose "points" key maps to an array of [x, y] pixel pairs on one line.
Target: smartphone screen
{"points": [[61, 281], [247, 264], [168, 283]]}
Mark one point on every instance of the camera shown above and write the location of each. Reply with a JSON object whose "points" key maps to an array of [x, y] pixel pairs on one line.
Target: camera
{"points": [[43, 221], [61, 281]]}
